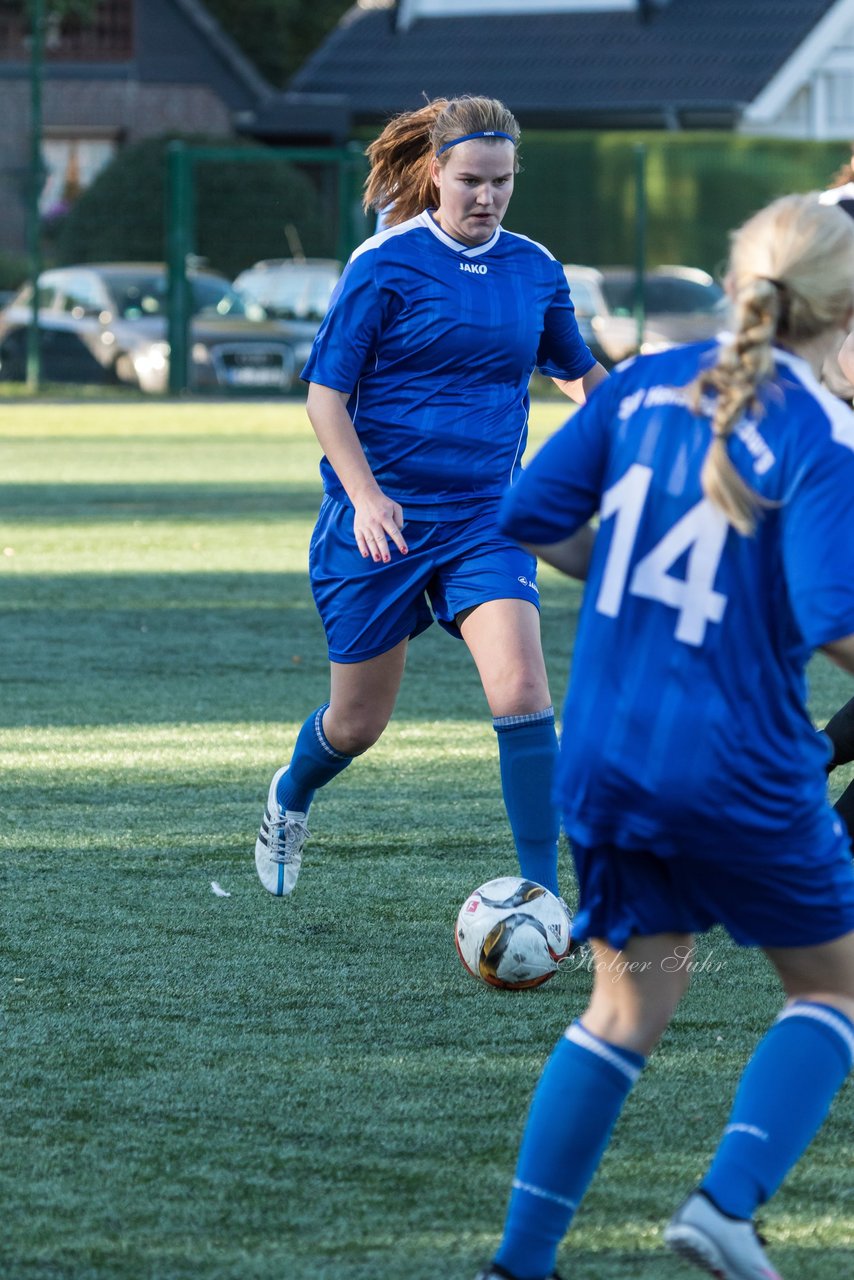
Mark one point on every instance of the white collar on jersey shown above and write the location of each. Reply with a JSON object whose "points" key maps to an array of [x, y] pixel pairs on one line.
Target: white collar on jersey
{"points": [[465, 250], [801, 366]]}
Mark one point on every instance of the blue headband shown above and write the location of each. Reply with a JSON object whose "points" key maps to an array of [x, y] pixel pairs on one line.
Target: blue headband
{"points": [[467, 137]]}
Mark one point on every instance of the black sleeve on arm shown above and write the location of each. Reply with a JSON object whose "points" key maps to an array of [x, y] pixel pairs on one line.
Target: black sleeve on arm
{"points": [[840, 730]]}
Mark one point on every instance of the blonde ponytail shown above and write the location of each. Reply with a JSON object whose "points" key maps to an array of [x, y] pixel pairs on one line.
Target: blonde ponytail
{"points": [[399, 181], [791, 275], [735, 379]]}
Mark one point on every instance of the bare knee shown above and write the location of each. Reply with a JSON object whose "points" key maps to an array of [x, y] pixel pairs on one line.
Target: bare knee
{"points": [[515, 691], [633, 1001], [353, 730], [361, 700]]}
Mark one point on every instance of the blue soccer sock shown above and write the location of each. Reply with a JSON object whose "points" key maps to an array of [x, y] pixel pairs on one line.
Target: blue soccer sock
{"points": [[527, 753], [314, 763], [782, 1100], [576, 1104]]}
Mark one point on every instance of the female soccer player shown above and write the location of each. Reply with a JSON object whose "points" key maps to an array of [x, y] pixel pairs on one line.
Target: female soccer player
{"points": [[418, 394], [692, 782]]}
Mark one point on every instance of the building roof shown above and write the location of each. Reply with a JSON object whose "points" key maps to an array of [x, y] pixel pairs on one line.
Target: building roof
{"points": [[689, 63], [224, 49], [300, 119]]}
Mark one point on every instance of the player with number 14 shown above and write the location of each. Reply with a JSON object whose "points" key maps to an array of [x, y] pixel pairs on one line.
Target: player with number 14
{"points": [[691, 780]]}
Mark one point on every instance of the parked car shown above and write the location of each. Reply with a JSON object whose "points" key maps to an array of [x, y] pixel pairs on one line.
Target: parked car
{"points": [[682, 304], [294, 291], [585, 287], [108, 322]]}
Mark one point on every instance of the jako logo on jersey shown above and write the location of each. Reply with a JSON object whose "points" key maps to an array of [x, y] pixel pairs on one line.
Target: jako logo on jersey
{"points": [[527, 583], [477, 268]]}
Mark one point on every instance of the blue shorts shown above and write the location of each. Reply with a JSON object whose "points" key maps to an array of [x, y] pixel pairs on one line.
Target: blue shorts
{"points": [[368, 608], [761, 902]]}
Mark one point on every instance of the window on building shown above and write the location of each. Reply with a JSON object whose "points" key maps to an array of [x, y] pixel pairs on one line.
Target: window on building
{"points": [[839, 98], [72, 162]]}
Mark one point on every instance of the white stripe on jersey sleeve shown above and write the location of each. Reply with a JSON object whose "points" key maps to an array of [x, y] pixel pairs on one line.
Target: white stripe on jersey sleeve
{"points": [[517, 235], [380, 237]]}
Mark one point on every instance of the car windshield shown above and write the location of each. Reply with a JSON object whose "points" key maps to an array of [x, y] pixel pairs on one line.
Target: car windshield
{"points": [[291, 292], [662, 294], [138, 295]]}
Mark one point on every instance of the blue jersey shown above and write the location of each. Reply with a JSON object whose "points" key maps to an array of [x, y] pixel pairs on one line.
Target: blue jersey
{"points": [[685, 719], [435, 342]]}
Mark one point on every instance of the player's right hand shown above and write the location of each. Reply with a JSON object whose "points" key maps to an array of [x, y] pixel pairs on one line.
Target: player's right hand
{"points": [[376, 521]]}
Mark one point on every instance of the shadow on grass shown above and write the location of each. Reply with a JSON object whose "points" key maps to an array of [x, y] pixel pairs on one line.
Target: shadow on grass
{"points": [[111, 503], [195, 647]]}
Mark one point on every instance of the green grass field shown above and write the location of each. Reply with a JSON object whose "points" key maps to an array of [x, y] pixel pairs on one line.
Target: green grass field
{"points": [[244, 1089]]}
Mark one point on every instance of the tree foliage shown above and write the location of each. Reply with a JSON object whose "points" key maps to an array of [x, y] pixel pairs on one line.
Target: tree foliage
{"points": [[82, 11], [278, 35], [243, 210]]}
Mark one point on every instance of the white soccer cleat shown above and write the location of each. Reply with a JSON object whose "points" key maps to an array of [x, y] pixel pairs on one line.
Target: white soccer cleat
{"points": [[727, 1248], [278, 849]]}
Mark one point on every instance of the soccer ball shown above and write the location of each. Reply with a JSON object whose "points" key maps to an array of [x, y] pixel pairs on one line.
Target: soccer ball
{"points": [[512, 933]]}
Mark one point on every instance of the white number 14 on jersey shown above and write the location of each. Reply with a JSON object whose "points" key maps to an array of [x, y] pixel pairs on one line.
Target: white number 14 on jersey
{"points": [[701, 532]]}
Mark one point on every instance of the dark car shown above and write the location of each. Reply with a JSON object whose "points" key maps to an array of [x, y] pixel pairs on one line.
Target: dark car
{"points": [[294, 291], [109, 323], [681, 304]]}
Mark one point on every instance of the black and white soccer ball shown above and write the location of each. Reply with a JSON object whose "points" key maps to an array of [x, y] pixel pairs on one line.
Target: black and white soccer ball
{"points": [[512, 933]]}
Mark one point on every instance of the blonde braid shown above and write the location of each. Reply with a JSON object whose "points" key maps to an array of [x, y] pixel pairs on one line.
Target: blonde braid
{"points": [[791, 273], [736, 378]]}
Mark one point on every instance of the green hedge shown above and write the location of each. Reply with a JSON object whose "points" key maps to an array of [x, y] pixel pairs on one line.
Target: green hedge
{"points": [[243, 210], [576, 191], [575, 194]]}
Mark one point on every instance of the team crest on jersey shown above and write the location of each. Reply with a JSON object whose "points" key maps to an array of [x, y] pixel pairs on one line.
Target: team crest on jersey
{"points": [[476, 268]]}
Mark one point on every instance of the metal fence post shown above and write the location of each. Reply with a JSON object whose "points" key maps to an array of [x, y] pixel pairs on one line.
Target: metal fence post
{"points": [[178, 248], [180, 233], [640, 242], [351, 169], [34, 355]]}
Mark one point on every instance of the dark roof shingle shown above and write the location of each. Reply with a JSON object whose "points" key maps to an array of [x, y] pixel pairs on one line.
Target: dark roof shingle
{"points": [[692, 56]]}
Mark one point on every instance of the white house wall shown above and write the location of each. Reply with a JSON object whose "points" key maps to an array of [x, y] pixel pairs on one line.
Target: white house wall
{"points": [[812, 96]]}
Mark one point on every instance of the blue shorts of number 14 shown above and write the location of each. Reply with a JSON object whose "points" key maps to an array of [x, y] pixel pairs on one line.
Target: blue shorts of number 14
{"points": [[691, 780]]}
